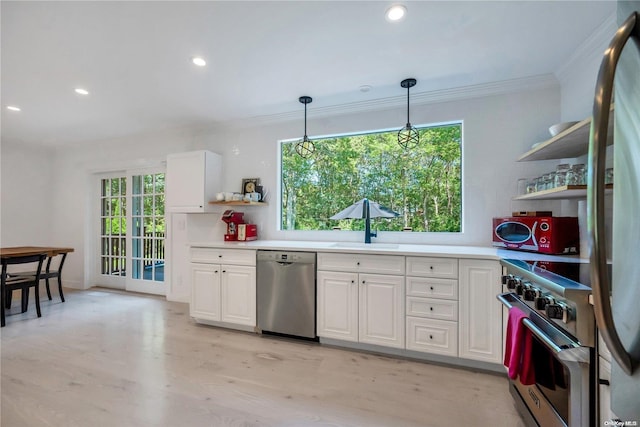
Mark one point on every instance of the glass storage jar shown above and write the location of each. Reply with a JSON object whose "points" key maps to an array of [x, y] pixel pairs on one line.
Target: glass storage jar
{"points": [[608, 176], [576, 175], [561, 174]]}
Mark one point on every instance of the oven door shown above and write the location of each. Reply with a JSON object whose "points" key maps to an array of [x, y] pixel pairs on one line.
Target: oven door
{"points": [[561, 394]]}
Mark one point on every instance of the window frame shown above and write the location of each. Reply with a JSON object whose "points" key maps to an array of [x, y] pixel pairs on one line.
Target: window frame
{"points": [[398, 235]]}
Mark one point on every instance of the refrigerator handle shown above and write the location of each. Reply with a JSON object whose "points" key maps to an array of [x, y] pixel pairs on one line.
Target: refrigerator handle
{"points": [[595, 194]]}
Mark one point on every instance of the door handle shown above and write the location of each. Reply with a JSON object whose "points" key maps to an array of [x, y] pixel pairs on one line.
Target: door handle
{"points": [[595, 193]]}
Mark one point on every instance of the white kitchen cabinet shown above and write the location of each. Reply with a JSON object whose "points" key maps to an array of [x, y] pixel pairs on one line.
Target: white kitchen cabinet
{"points": [[337, 305], [192, 180], [381, 309], [604, 384], [480, 321], [357, 304], [432, 336], [205, 292], [381, 264], [223, 287], [238, 294], [444, 268], [432, 305]]}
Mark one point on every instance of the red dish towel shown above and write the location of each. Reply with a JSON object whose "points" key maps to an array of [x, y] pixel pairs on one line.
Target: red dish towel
{"points": [[518, 348]]}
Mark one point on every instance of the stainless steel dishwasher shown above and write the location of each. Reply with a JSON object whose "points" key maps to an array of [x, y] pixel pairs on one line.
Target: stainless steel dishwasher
{"points": [[286, 293]]}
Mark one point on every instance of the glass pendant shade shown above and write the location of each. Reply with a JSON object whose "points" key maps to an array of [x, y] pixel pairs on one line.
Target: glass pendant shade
{"points": [[305, 147], [408, 136]]}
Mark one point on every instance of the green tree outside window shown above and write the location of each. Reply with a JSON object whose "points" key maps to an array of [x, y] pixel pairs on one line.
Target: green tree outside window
{"points": [[423, 184]]}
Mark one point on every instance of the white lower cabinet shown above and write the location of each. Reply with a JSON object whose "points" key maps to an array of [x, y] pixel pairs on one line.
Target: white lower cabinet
{"points": [[223, 293], [205, 292], [238, 294], [337, 305], [432, 305], [480, 322], [381, 310], [432, 336], [358, 306]]}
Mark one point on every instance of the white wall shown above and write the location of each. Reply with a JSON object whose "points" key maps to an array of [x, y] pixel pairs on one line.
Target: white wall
{"points": [[74, 208], [497, 129], [578, 78], [27, 195]]}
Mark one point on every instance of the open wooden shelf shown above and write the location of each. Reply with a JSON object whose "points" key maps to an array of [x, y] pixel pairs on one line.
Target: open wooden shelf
{"points": [[564, 192], [573, 142], [239, 203]]}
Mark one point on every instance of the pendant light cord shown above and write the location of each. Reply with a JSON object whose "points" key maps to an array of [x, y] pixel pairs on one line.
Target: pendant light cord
{"points": [[408, 121], [305, 121]]}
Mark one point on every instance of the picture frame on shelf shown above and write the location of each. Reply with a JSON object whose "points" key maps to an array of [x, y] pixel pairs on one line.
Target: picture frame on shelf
{"points": [[249, 185]]}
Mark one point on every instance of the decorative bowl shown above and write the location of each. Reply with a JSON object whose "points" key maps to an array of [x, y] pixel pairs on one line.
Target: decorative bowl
{"points": [[560, 127]]}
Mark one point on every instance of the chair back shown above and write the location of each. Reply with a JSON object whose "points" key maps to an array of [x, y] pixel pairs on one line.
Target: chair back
{"points": [[29, 259]]}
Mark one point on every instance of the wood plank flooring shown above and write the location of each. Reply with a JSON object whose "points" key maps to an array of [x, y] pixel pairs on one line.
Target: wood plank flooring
{"points": [[108, 358]]}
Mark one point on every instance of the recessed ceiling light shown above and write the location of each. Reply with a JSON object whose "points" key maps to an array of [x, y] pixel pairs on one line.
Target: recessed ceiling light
{"points": [[81, 91], [198, 61], [396, 13], [365, 88], [13, 108]]}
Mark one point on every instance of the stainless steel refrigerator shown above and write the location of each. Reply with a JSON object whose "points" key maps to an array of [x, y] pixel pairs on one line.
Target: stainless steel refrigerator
{"points": [[617, 300]]}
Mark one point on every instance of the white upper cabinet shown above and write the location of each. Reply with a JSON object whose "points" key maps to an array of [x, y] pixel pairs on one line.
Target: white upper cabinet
{"points": [[192, 180]]}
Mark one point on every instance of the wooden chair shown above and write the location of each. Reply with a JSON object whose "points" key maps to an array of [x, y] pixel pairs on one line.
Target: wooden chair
{"points": [[48, 274], [22, 282]]}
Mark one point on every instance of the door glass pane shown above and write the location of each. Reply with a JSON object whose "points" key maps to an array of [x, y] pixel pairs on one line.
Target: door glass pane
{"points": [[148, 227], [112, 226]]}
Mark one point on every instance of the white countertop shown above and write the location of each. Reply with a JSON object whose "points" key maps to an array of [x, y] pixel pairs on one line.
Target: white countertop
{"points": [[475, 252]]}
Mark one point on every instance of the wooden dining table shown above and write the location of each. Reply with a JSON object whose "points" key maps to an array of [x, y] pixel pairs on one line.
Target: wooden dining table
{"points": [[25, 251], [18, 251]]}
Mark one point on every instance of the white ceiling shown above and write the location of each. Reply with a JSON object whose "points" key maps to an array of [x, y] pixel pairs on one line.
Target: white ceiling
{"points": [[134, 58]]}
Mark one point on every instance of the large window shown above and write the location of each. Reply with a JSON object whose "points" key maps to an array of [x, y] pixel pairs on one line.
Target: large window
{"points": [[423, 185]]}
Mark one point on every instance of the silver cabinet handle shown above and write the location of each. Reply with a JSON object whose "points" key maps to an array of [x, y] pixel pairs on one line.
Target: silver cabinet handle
{"points": [[595, 193]]}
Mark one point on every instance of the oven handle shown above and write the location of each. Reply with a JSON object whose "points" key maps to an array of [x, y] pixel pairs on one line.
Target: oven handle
{"points": [[568, 350]]}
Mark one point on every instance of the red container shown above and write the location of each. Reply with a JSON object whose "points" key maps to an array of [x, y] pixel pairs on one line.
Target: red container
{"points": [[247, 232], [543, 234]]}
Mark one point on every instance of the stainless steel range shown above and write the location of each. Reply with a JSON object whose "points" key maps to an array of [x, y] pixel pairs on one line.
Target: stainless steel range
{"points": [[554, 298]]}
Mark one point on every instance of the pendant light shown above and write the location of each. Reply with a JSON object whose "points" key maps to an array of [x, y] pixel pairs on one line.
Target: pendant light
{"points": [[408, 136], [305, 147]]}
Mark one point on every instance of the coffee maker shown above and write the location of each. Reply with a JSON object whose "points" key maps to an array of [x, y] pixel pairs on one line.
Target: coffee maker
{"points": [[233, 219]]}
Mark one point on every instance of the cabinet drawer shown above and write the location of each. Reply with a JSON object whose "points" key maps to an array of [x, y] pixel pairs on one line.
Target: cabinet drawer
{"points": [[381, 264], [432, 308], [445, 268], [223, 256], [337, 262], [432, 288], [432, 336]]}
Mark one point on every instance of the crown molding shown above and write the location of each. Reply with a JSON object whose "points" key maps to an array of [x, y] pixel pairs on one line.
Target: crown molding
{"points": [[590, 51], [421, 98]]}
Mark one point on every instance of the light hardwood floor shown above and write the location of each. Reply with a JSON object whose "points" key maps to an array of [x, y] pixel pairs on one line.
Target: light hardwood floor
{"points": [[108, 358]]}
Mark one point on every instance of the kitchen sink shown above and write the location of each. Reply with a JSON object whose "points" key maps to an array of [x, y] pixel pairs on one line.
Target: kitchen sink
{"points": [[360, 245]]}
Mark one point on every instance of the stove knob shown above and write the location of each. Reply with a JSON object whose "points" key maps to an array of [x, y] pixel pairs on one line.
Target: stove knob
{"points": [[513, 282], [506, 277], [519, 288], [530, 294], [554, 311], [542, 302]]}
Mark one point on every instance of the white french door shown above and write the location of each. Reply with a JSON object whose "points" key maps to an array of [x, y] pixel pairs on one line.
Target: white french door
{"points": [[132, 231]]}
